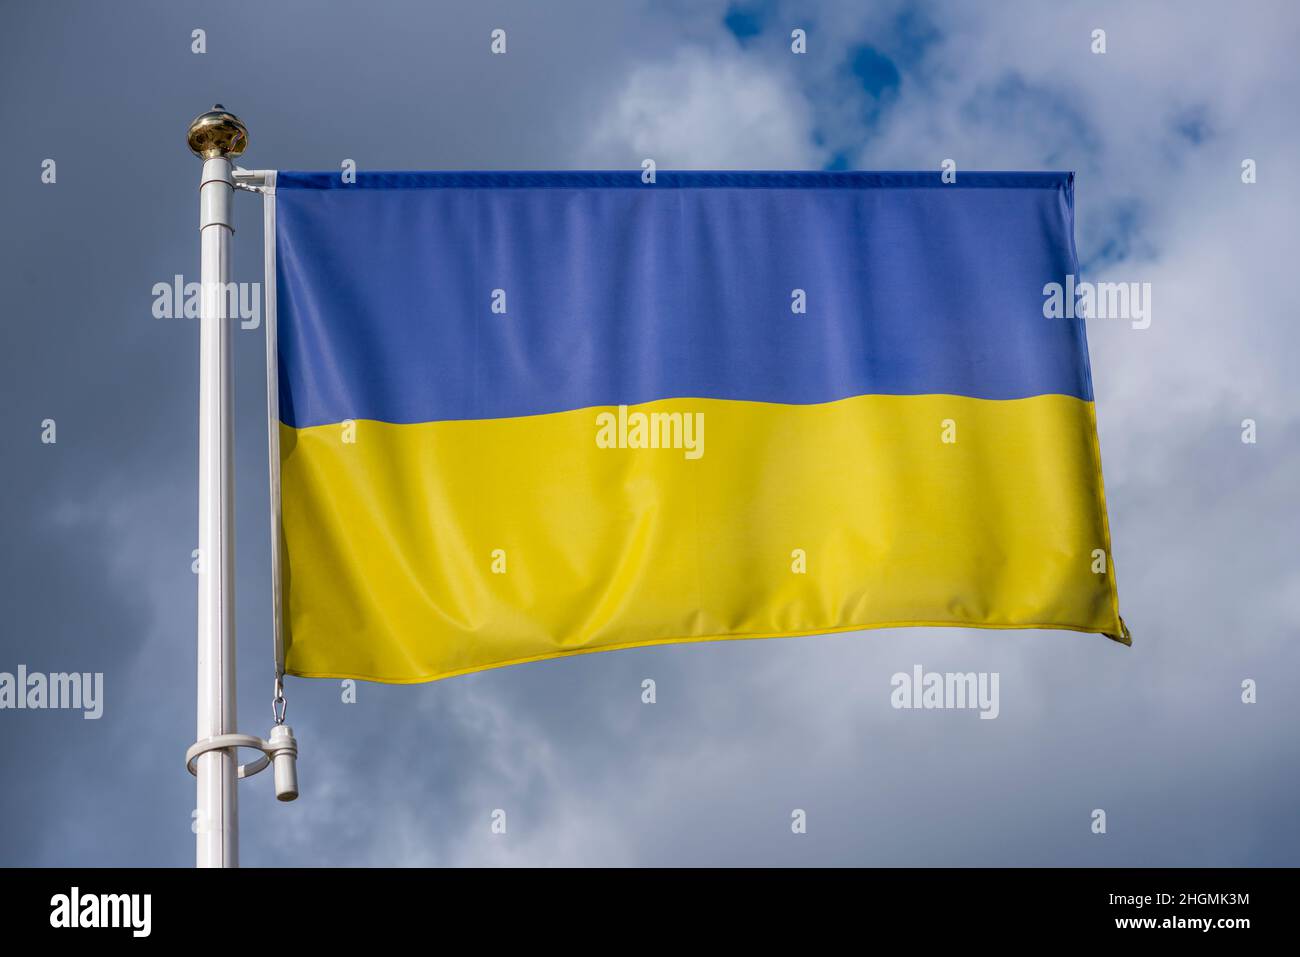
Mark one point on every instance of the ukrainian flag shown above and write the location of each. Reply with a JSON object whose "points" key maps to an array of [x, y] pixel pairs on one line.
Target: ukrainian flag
{"points": [[525, 415]]}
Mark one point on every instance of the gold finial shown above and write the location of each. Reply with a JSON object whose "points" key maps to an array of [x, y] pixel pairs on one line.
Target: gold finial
{"points": [[217, 133]]}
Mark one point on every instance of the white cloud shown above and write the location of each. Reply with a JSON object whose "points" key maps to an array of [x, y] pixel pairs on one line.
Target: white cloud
{"points": [[705, 109]]}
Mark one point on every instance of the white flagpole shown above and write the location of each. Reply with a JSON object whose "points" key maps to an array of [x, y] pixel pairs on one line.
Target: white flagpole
{"points": [[217, 137]]}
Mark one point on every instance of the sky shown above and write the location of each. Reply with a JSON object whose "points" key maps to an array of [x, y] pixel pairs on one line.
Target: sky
{"points": [[98, 527]]}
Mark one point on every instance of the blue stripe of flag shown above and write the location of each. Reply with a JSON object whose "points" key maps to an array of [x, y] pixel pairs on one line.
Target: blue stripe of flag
{"points": [[619, 292]]}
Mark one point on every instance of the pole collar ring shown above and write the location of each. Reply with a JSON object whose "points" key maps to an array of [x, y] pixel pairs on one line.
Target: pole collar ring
{"points": [[228, 742]]}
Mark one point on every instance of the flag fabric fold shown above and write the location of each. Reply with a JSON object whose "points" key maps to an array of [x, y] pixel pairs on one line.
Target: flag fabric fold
{"points": [[525, 415]]}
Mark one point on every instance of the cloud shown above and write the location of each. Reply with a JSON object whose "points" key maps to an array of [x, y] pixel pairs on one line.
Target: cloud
{"points": [[705, 109]]}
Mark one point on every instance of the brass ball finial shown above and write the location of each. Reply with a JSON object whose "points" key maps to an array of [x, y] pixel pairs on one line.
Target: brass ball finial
{"points": [[217, 133]]}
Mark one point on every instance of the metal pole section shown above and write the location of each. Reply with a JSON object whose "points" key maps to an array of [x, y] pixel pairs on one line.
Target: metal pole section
{"points": [[217, 137]]}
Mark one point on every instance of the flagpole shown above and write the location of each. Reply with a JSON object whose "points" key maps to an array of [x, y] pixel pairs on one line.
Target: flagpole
{"points": [[216, 137]]}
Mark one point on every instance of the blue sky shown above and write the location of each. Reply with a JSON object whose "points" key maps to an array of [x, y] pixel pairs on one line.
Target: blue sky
{"points": [[98, 529]]}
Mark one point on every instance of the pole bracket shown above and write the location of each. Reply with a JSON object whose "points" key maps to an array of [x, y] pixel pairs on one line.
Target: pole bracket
{"points": [[281, 750]]}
